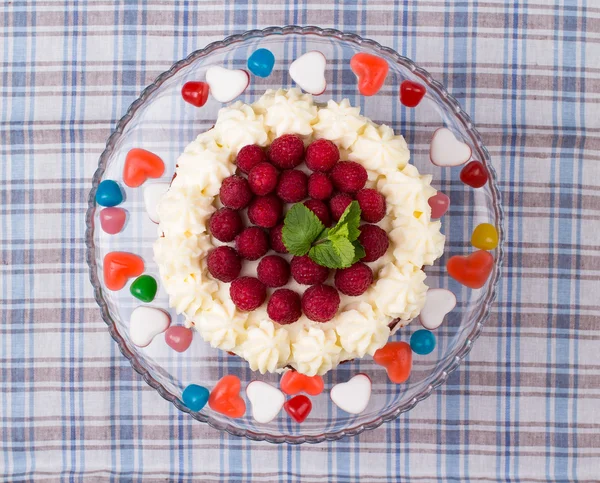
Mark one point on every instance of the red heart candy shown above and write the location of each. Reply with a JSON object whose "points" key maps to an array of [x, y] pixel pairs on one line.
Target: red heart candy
{"points": [[178, 338], [141, 165], [411, 93], [439, 204], [299, 407], [396, 357], [293, 382], [472, 270], [225, 397], [196, 93], [120, 267], [474, 174], [371, 72]]}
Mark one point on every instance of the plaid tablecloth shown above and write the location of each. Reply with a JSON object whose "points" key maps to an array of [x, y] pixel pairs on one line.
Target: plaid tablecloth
{"points": [[526, 404]]}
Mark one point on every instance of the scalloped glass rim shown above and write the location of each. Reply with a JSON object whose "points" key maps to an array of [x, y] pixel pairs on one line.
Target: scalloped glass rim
{"points": [[431, 84]]}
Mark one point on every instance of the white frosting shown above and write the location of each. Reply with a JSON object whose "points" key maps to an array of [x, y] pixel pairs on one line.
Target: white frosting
{"points": [[361, 325]]}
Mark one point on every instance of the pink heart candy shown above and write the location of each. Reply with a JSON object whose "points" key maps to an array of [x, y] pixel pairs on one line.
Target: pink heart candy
{"points": [[439, 204], [112, 220], [178, 338]]}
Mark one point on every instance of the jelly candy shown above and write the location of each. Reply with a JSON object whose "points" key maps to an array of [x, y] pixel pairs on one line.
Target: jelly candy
{"points": [[195, 93], [225, 397], [439, 204], [112, 220], [152, 196], [195, 397], [308, 71], [485, 237], [144, 288], [226, 84], [108, 193], [266, 401], [119, 267], [445, 150], [352, 396], [438, 303], [422, 342], [293, 382], [472, 270], [261, 62], [141, 165], [396, 357], [474, 174], [371, 72], [178, 338], [146, 323], [299, 407], [411, 93]]}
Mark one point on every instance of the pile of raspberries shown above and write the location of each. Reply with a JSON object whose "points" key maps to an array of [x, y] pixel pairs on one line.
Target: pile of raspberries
{"points": [[271, 181]]}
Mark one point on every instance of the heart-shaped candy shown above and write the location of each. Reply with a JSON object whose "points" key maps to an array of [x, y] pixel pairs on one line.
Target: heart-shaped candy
{"points": [[261, 62], [179, 338], [485, 236], [266, 401], [371, 72], [152, 195], [119, 267], [396, 357], [225, 397], [352, 396], [422, 342], [308, 71], [195, 93], [195, 397], [439, 204], [141, 165], [299, 407], [144, 288], [411, 93], [438, 303], [294, 382], [472, 270], [445, 150], [474, 174], [226, 84], [109, 193], [112, 220], [146, 323]]}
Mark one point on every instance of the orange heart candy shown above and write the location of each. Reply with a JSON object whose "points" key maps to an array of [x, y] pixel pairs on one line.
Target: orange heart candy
{"points": [[472, 270], [293, 382], [119, 267], [371, 72], [225, 397], [141, 165], [396, 357]]}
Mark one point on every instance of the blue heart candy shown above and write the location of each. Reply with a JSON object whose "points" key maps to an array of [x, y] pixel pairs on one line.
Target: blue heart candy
{"points": [[261, 63], [422, 342], [108, 193], [195, 397]]}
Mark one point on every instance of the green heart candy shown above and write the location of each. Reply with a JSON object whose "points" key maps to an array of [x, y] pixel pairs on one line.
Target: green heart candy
{"points": [[144, 288]]}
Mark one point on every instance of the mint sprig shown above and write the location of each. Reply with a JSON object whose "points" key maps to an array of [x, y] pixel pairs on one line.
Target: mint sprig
{"points": [[336, 247]]}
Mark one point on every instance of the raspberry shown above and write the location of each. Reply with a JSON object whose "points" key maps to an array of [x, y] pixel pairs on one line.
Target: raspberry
{"points": [[265, 211], [225, 224], [292, 186], [273, 271], [338, 204], [307, 272], [372, 205], [349, 176], [252, 243], [284, 306], [286, 151], [320, 303], [224, 264], [375, 242], [319, 186], [247, 293], [321, 155], [276, 238], [320, 209], [263, 179], [354, 280], [235, 192], [249, 156]]}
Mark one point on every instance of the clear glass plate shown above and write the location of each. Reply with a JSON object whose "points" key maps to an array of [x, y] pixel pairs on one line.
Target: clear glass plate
{"points": [[161, 122]]}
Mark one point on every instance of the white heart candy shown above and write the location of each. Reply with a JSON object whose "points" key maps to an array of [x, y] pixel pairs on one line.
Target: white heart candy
{"points": [[438, 303], [352, 396], [266, 401], [226, 84], [146, 323], [152, 195], [445, 150], [308, 71]]}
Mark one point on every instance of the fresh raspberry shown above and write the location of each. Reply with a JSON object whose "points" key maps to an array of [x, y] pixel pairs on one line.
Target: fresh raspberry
{"points": [[224, 264], [321, 155], [319, 186], [284, 306], [277, 239], [354, 280], [292, 186], [263, 179], [349, 176], [320, 303], [247, 293], [286, 151], [338, 204], [307, 272], [252, 243], [235, 192], [273, 271], [225, 224], [320, 209], [372, 205], [249, 156], [265, 211], [375, 242]]}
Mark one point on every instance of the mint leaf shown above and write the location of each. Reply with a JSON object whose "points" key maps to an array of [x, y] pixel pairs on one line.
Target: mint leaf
{"points": [[359, 251], [341, 231], [301, 228], [345, 250], [351, 218], [325, 255]]}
